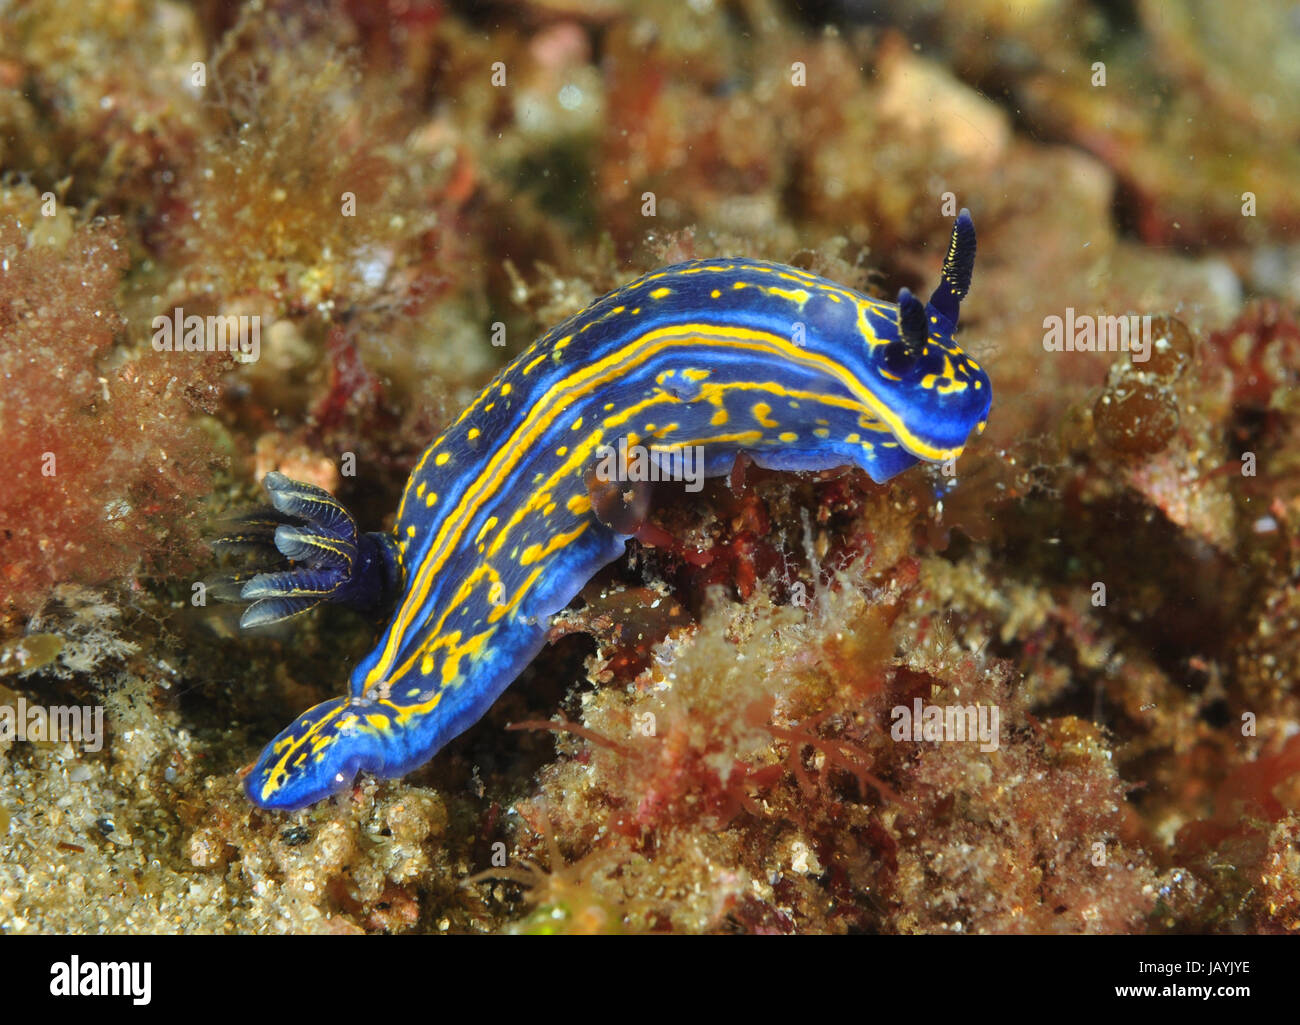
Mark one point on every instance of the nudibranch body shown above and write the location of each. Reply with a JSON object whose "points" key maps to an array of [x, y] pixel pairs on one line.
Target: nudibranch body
{"points": [[497, 531]]}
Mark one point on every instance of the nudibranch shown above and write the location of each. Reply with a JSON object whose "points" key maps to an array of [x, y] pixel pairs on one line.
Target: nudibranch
{"points": [[499, 526]]}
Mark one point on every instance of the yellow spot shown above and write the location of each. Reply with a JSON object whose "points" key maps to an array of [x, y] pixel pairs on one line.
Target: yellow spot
{"points": [[692, 374], [419, 490], [659, 293], [715, 294], [535, 552], [788, 436], [577, 424], [579, 505], [719, 418], [410, 531], [761, 411], [797, 296], [491, 522], [821, 432], [474, 432], [853, 439], [563, 450], [405, 713], [505, 388], [426, 665], [430, 498], [443, 458]]}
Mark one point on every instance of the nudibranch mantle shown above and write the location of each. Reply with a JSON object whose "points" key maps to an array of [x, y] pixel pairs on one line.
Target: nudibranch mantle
{"points": [[496, 530]]}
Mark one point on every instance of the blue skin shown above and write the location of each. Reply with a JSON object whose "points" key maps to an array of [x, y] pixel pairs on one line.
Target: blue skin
{"points": [[921, 338]]}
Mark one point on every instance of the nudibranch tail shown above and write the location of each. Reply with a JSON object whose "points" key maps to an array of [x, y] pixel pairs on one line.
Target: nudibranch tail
{"points": [[534, 487], [306, 762]]}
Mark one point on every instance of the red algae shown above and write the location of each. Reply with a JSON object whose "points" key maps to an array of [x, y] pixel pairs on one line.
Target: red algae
{"points": [[107, 465]]}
